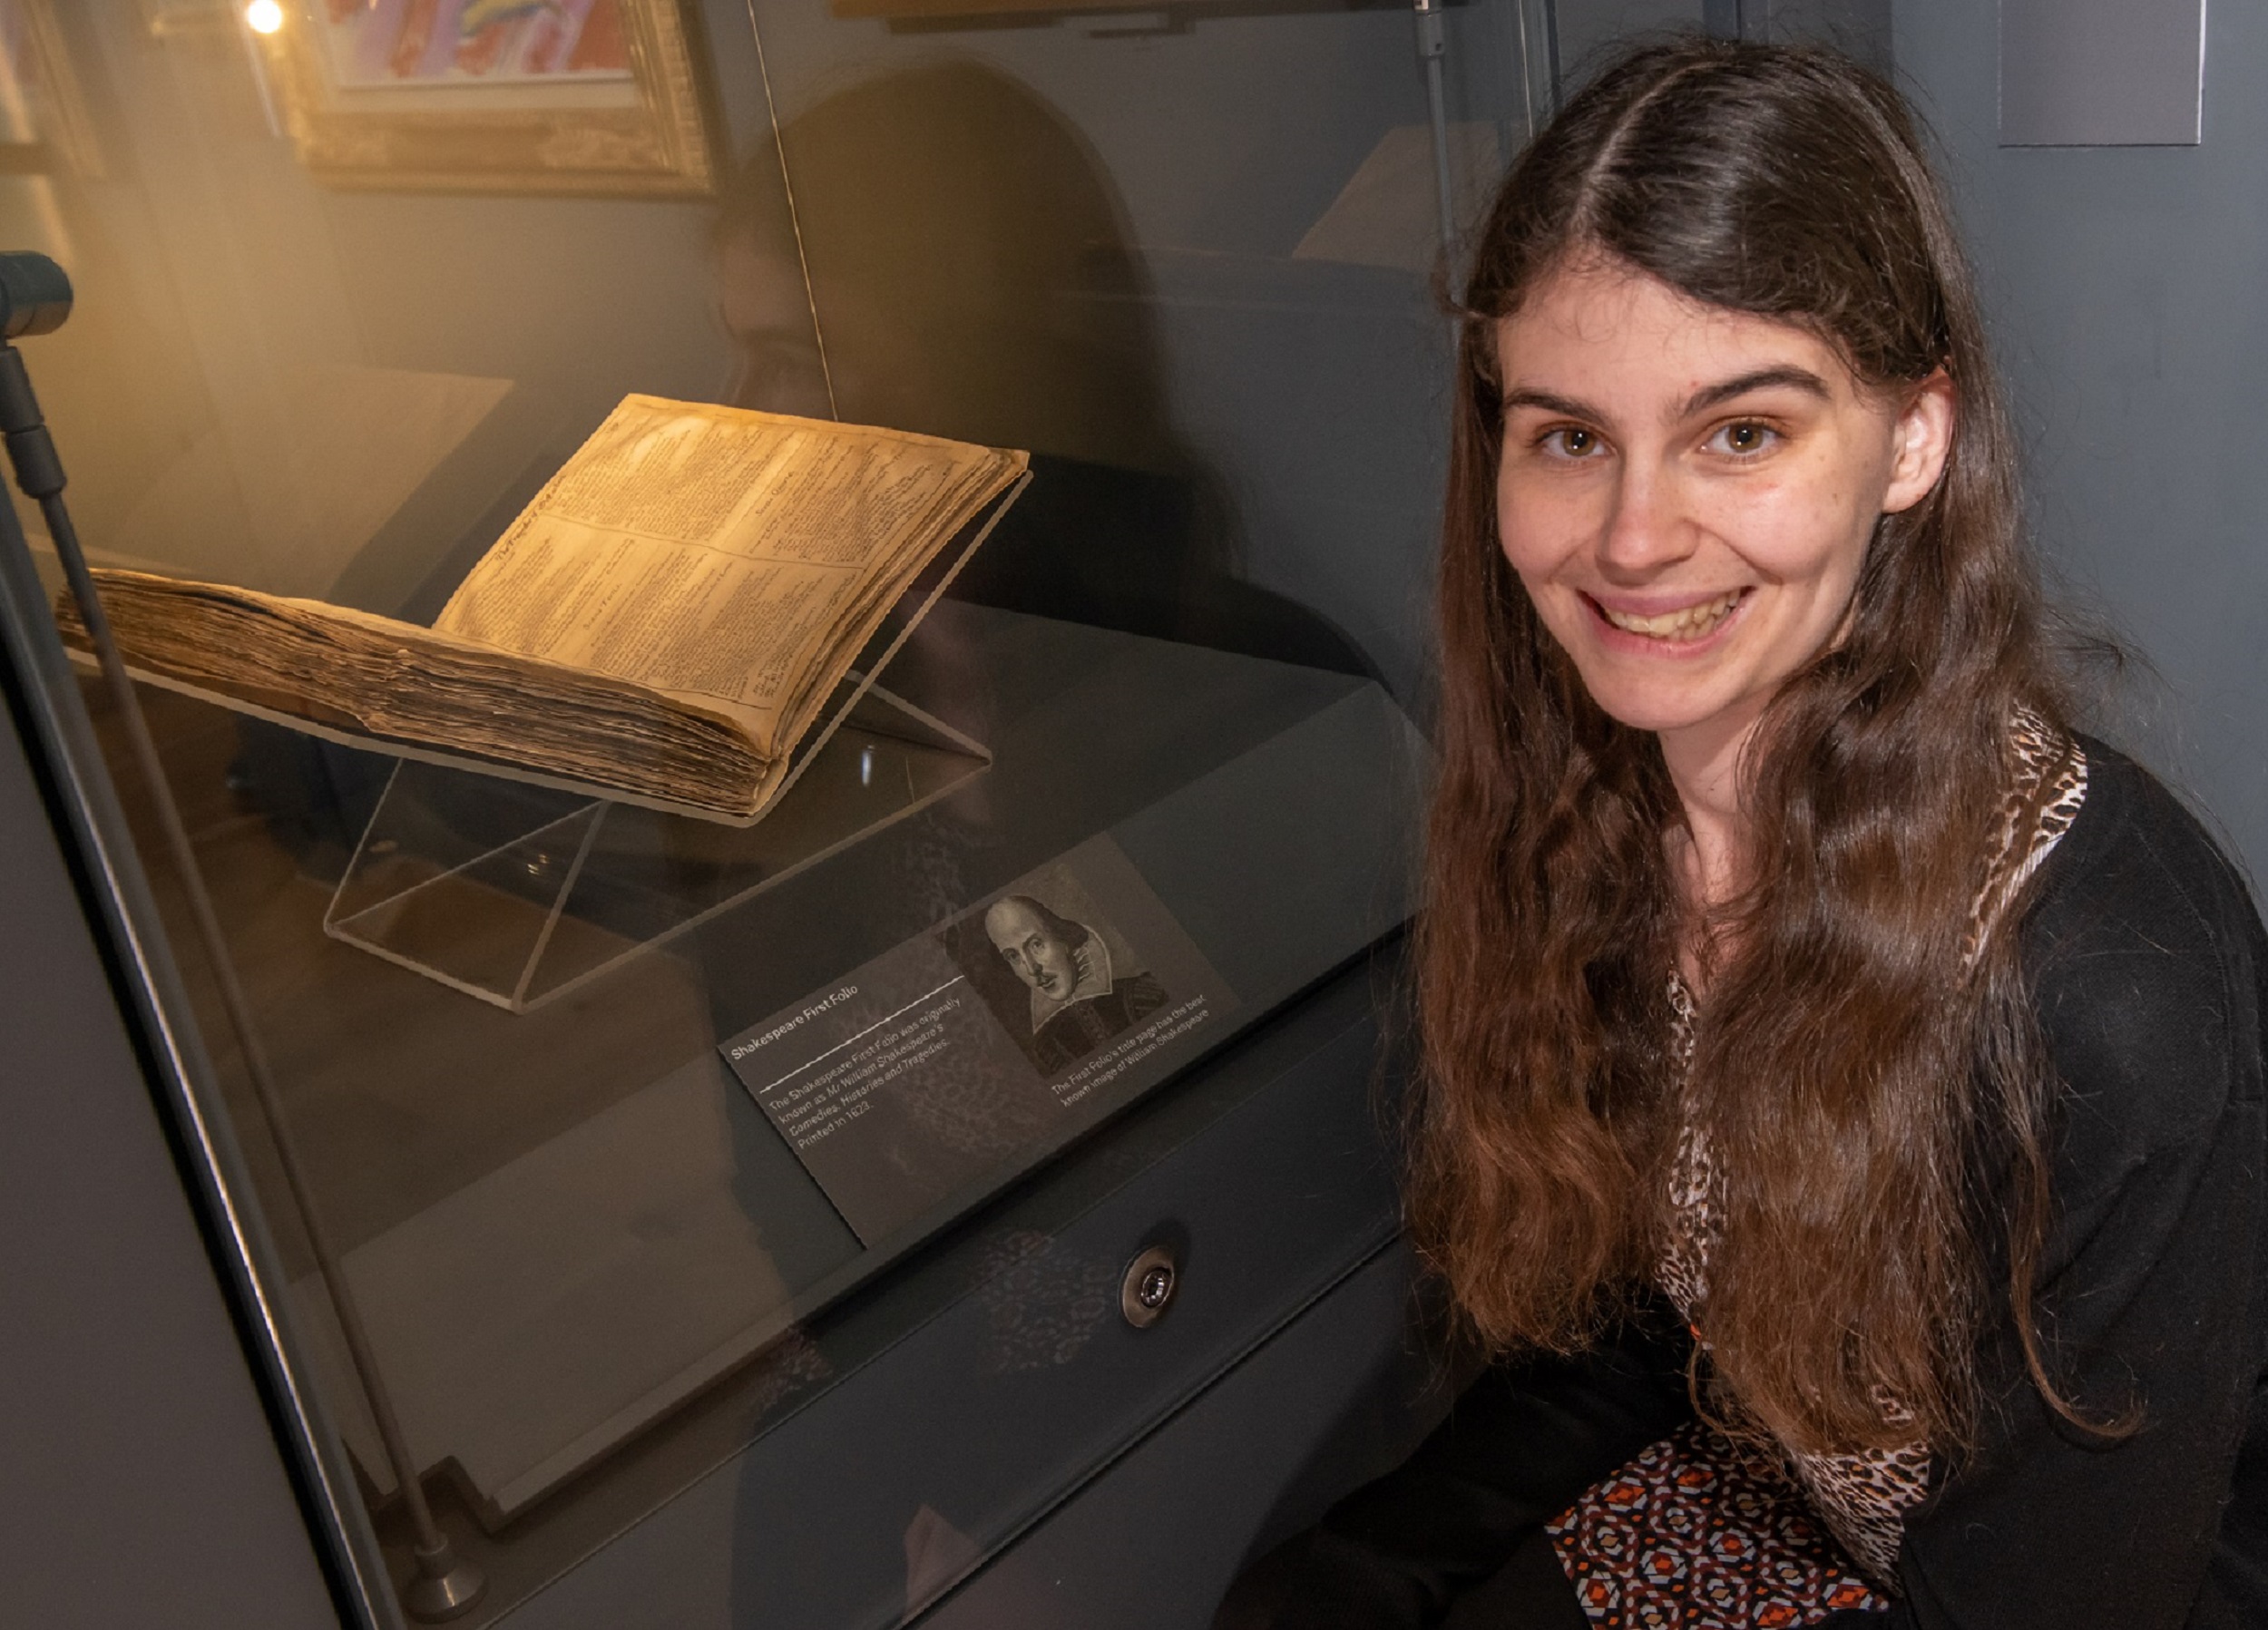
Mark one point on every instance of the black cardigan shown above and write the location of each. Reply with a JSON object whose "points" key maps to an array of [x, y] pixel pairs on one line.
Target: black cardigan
{"points": [[2147, 962]]}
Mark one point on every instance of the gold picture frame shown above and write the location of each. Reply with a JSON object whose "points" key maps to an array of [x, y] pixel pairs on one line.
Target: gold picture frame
{"points": [[543, 96]]}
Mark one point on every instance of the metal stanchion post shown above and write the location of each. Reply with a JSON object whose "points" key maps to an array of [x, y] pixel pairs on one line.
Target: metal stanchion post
{"points": [[35, 298]]}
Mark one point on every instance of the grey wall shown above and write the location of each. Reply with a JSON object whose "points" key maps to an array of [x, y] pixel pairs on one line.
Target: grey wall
{"points": [[2128, 292], [1586, 31], [138, 1481]]}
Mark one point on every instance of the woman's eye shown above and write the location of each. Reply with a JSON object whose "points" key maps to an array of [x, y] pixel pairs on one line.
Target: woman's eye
{"points": [[1571, 440], [1744, 438]]}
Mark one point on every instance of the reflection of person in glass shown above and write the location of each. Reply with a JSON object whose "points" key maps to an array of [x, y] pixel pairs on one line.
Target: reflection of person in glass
{"points": [[1077, 1000], [976, 274]]}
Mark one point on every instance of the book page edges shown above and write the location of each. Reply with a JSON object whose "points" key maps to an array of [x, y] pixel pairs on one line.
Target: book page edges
{"points": [[425, 753]]}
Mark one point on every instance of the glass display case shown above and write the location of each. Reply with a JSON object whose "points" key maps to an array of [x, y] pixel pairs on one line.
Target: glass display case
{"points": [[818, 1196]]}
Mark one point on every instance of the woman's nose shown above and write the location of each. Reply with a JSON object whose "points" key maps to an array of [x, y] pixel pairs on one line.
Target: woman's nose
{"points": [[1646, 528]]}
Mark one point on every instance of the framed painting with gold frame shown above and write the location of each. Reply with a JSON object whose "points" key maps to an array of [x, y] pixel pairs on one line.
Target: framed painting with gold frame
{"points": [[586, 96]]}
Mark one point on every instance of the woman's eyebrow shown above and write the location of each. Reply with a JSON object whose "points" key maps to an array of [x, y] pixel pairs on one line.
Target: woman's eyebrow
{"points": [[1787, 375], [1521, 397]]}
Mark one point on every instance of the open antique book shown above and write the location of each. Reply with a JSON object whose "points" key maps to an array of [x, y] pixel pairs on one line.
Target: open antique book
{"points": [[665, 621]]}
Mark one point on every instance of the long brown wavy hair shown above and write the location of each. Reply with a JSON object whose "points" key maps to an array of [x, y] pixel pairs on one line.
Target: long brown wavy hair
{"points": [[1872, 1097]]}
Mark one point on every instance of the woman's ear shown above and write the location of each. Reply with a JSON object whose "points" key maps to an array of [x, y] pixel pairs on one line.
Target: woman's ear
{"points": [[1922, 438]]}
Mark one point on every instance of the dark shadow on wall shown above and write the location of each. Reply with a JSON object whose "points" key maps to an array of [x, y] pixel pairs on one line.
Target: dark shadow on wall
{"points": [[973, 274]]}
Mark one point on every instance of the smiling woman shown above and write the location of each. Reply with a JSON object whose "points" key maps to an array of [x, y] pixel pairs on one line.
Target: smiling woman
{"points": [[1841, 1107], [1686, 495]]}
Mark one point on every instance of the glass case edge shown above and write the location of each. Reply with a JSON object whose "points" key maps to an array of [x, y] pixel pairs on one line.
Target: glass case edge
{"points": [[91, 822]]}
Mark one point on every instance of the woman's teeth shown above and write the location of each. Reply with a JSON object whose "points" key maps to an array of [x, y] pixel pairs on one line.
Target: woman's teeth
{"points": [[1690, 623]]}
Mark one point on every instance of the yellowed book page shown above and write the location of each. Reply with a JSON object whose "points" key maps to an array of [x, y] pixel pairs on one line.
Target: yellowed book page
{"points": [[710, 553], [676, 618]]}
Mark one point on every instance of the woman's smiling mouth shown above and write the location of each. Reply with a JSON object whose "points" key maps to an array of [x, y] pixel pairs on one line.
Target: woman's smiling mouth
{"points": [[1683, 626]]}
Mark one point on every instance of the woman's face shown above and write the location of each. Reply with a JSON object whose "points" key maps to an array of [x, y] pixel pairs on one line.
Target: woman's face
{"points": [[1688, 493]]}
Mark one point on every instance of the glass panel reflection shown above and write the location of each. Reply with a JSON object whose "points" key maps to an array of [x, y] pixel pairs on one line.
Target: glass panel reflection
{"points": [[1185, 260]]}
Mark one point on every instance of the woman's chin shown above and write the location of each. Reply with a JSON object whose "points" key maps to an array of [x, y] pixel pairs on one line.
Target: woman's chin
{"points": [[1649, 707]]}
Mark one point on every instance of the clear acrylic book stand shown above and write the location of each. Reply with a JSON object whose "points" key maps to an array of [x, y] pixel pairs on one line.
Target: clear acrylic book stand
{"points": [[517, 892]]}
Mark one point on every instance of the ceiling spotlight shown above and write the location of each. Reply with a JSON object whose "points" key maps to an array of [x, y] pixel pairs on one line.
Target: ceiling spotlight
{"points": [[264, 17]]}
